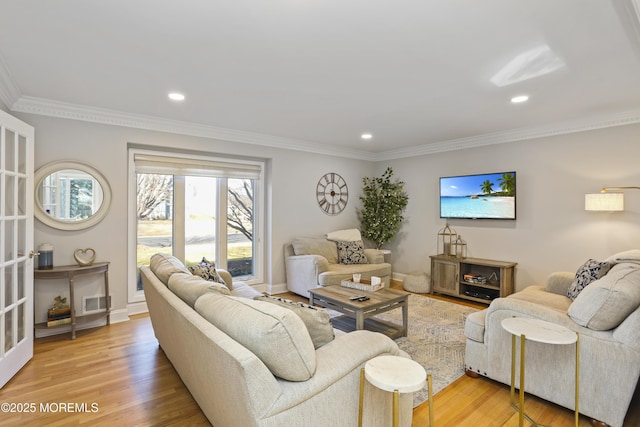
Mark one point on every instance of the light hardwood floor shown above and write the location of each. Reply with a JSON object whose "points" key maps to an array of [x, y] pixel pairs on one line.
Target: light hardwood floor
{"points": [[117, 375]]}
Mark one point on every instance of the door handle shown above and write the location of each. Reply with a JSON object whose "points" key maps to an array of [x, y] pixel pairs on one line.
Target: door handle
{"points": [[32, 254]]}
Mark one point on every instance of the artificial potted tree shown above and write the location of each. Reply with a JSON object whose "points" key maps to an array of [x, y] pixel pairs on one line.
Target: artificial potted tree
{"points": [[383, 204]]}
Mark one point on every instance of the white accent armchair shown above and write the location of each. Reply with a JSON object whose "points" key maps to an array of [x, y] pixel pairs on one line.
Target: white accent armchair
{"points": [[311, 262]]}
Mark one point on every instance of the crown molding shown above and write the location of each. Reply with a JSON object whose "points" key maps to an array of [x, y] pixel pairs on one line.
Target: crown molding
{"points": [[51, 108], [46, 107], [9, 90], [583, 125]]}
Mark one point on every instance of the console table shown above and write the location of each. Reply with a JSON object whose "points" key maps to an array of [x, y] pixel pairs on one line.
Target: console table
{"points": [[480, 280], [70, 272]]}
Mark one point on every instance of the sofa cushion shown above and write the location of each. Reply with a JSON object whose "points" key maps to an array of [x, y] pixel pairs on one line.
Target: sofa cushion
{"points": [[317, 320], [587, 273], [277, 336], [606, 302], [316, 246], [351, 252], [207, 270], [632, 256], [164, 265], [189, 287]]}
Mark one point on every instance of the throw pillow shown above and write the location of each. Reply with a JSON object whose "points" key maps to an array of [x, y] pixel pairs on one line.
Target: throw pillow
{"points": [[605, 303], [207, 270], [351, 252], [189, 287], [164, 265], [316, 246], [274, 334], [587, 273], [317, 320]]}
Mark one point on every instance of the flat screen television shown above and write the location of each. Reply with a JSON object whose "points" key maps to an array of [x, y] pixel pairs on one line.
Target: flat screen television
{"points": [[482, 196]]}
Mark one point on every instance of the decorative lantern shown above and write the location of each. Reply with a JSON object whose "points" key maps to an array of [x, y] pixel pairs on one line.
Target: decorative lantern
{"points": [[460, 248], [446, 238]]}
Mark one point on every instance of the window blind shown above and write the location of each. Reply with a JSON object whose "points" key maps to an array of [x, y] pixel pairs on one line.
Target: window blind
{"points": [[192, 166]]}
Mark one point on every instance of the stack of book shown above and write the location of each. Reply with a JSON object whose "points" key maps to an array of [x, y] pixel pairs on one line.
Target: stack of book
{"points": [[474, 278], [58, 316]]}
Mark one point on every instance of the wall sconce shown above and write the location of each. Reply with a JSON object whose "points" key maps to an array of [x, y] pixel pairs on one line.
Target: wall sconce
{"points": [[604, 201]]}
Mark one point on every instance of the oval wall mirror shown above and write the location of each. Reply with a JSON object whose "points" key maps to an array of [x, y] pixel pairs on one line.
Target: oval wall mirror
{"points": [[71, 195]]}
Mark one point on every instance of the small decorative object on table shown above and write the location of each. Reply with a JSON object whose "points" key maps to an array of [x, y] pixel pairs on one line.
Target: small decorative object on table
{"points": [[45, 256], [460, 247], [446, 239], [85, 257], [59, 313]]}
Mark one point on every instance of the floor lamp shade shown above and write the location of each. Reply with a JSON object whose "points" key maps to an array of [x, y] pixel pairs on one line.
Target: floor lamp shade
{"points": [[604, 202]]}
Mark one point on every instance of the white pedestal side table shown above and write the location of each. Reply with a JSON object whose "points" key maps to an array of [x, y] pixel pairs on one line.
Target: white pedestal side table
{"points": [[543, 332], [397, 375]]}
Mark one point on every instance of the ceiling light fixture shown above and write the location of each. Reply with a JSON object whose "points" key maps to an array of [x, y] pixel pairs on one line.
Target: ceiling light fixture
{"points": [[520, 98], [366, 136], [175, 96]]}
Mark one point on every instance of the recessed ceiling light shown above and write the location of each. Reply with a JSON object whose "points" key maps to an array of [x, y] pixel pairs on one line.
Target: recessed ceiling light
{"points": [[175, 96], [366, 136], [520, 98]]}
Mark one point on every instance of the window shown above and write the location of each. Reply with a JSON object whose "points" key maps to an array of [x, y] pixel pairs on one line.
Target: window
{"points": [[196, 207]]}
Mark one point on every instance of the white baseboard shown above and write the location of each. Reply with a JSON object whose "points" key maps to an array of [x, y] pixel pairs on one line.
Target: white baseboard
{"points": [[278, 288], [137, 308], [398, 276]]}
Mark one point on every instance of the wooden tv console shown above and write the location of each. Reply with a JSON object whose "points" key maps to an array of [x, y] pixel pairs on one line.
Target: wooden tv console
{"points": [[480, 280]]}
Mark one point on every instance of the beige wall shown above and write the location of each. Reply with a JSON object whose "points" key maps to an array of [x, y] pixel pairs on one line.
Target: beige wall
{"points": [[552, 231], [291, 177]]}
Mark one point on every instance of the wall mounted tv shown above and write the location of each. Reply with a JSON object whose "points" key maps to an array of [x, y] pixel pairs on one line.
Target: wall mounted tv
{"points": [[483, 196]]}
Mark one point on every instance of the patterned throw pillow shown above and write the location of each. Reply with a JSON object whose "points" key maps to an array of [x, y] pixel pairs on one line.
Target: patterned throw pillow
{"points": [[589, 271], [207, 270], [351, 252], [317, 320]]}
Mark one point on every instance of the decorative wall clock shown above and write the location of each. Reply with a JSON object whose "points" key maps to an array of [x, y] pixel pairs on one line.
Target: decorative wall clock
{"points": [[332, 193]]}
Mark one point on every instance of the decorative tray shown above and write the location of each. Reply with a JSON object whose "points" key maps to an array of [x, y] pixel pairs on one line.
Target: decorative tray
{"points": [[361, 286]]}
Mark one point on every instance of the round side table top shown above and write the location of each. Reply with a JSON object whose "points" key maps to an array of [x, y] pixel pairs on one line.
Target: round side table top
{"points": [[539, 330], [392, 373]]}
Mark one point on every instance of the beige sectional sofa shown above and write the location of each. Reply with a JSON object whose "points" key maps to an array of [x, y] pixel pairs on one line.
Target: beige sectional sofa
{"points": [[233, 353], [606, 314], [311, 262]]}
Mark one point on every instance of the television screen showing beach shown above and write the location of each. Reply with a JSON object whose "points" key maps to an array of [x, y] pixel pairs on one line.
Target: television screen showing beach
{"points": [[490, 196]]}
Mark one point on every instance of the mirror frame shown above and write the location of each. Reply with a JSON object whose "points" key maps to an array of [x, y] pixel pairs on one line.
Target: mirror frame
{"points": [[59, 224]]}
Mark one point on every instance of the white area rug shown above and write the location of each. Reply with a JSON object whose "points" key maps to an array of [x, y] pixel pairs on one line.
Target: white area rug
{"points": [[435, 339]]}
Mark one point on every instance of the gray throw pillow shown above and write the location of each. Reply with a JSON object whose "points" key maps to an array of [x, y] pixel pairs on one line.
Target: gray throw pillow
{"points": [[588, 272], [317, 320], [605, 303]]}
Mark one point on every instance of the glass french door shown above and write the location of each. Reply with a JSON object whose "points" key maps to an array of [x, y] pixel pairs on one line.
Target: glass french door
{"points": [[16, 245]]}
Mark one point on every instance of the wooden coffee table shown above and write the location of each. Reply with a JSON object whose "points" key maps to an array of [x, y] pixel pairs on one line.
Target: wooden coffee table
{"points": [[359, 315]]}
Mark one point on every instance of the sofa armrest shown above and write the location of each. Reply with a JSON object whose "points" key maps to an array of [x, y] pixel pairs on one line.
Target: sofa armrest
{"points": [[509, 307], [352, 350], [559, 282], [302, 272], [374, 256]]}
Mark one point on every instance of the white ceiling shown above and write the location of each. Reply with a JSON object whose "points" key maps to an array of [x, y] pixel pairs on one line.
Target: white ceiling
{"points": [[420, 75]]}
